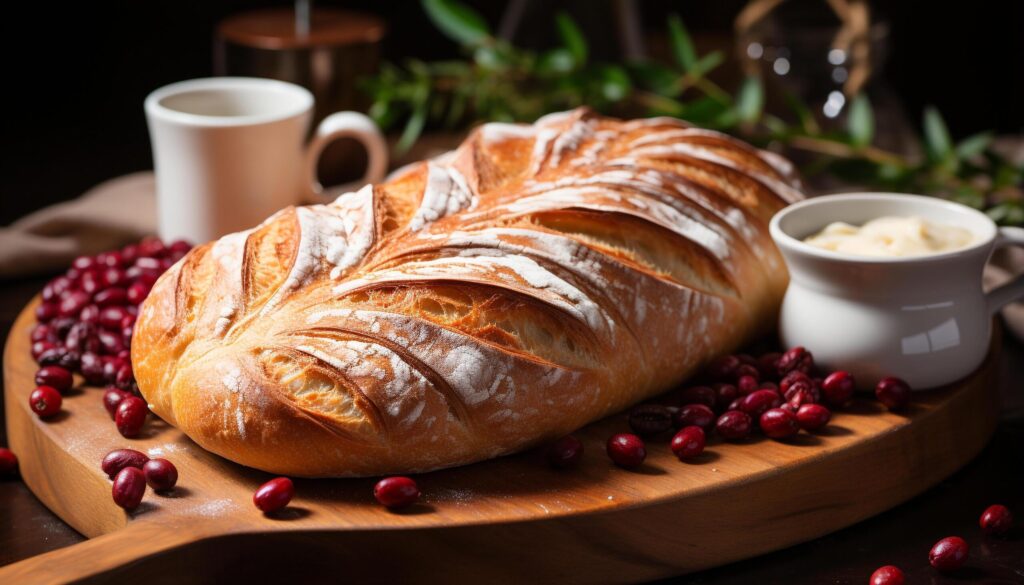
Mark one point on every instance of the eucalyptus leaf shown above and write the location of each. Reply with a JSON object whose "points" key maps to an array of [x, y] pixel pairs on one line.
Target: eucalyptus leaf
{"points": [[974, 145], [708, 63], [750, 100], [572, 38], [682, 45], [936, 136], [860, 121], [457, 21]]}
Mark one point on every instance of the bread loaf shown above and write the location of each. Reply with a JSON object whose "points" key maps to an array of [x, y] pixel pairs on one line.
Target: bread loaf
{"points": [[535, 279]]}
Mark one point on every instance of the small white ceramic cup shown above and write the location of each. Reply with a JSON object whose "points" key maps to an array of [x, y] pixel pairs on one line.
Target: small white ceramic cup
{"points": [[230, 151], [924, 318]]}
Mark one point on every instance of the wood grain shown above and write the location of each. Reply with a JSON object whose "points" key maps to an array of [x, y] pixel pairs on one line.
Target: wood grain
{"points": [[506, 520]]}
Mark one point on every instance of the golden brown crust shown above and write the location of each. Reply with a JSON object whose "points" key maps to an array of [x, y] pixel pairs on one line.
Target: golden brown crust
{"points": [[535, 279]]}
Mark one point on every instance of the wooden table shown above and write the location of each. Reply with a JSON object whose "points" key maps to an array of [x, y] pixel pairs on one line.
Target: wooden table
{"points": [[901, 536]]}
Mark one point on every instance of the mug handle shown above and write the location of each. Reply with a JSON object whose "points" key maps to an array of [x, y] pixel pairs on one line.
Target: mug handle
{"points": [[338, 125], [998, 298]]}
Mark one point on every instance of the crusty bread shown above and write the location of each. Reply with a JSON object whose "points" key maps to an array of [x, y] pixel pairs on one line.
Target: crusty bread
{"points": [[536, 279]]}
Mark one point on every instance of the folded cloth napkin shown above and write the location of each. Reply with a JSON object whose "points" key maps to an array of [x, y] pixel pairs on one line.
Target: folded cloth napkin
{"points": [[123, 210], [107, 216]]}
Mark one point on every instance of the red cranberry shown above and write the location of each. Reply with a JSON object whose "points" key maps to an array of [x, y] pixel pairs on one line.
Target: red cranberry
{"points": [[55, 288], [129, 487], [91, 282], [725, 393], [161, 474], [837, 389], [130, 253], [893, 392], [90, 314], [179, 246], [114, 295], [59, 356], [137, 292], [110, 343], [770, 386], [565, 452], [45, 401], [626, 450], [696, 415], [274, 495], [747, 385], [949, 554], [42, 332], [124, 378], [83, 262], [110, 317], [650, 420], [813, 416], [114, 277], [698, 395], [151, 248], [111, 259], [745, 370], [117, 460], [79, 336], [8, 462], [779, 423], [887, 575], [45, 312], [688, 443], [733, 425], [110, 367], [148, 264], [791, 378], [41, 347], [735, 404], [996, 519], [62, 325], [396, 492], [112, 398], [72, 304], [723, 369], [130, 416], [55, 377], [795, 359], [799, 396], [92, 368], [755, 404], [767, 364]]}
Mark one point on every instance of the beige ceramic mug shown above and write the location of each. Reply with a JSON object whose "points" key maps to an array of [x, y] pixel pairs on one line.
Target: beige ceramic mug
{"points": [[925, 319], [230, 151]]}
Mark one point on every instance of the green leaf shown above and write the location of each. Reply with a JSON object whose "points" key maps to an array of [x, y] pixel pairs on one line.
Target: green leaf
{"points": [[457, 21], [707, 63], [615, 84], [556, 61], [1007, 213], [750, 100], [572, 38], [413, 127], [936, 135], [682, 44], [656, 77], [972, 146], [807, 122], [861, 121]]}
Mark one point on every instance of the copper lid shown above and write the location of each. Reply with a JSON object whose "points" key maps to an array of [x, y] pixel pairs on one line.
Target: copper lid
{"points": [[274, 28]]}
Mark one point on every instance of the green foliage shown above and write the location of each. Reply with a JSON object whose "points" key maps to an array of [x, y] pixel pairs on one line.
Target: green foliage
{"points": [[497, 81]]}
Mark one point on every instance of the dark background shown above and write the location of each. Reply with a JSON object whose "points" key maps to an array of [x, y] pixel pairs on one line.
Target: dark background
{"points": [[77, 73]]}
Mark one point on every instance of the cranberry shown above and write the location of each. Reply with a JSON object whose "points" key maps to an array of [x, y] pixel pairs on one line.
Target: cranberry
{"points": [[767, 364], [770, 386], [110, 343], [274, 495], [795, 359], [161, 474], [79, 336], [724, 394], [151, 248], [698, 395], [779, 423], [723, 369], [791, 378], [949, 554], [179, 246], [649, 420], [114, 295], [59, 356], [755, 404], [130, 416], [110, 367], [110, 317], [112, 398], [745, 370], [129, 253], [90, 314], [688, 443], [45, 401], [887, 575], [8, 462], [55, 377], [137, 292], [996, 519], [396, 492], [41, 347], [45, 312], [129, 487], [83, 262], [42, 332], [696, 415], [893, 392], [813, 416], [114, 277], [838, 387], [72, 304], [799, 396], [117, 460], [124, 377], [148, 264], [565, 452], [626, 450], [62, 325], [55, 288], [733, 425], [735, 404], [747, 385], [111, 259]]}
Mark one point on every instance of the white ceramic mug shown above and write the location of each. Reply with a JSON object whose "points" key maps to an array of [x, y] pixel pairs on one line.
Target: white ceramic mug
{"points": [[925, 319], [230, 151]]}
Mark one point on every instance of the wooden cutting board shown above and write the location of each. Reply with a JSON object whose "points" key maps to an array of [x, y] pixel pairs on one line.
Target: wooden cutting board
{"points": [[507, 520]]}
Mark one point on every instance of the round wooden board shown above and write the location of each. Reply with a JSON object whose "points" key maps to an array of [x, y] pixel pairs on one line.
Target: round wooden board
{"points": [[506, 520]]}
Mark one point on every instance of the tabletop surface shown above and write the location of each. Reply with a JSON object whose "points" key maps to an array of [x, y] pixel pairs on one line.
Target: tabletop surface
{"points": [[901, 536]]}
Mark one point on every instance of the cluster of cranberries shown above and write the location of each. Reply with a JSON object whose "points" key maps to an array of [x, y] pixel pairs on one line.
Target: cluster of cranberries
{"points": [[392, 492], [131, 471], [85, 324]]}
